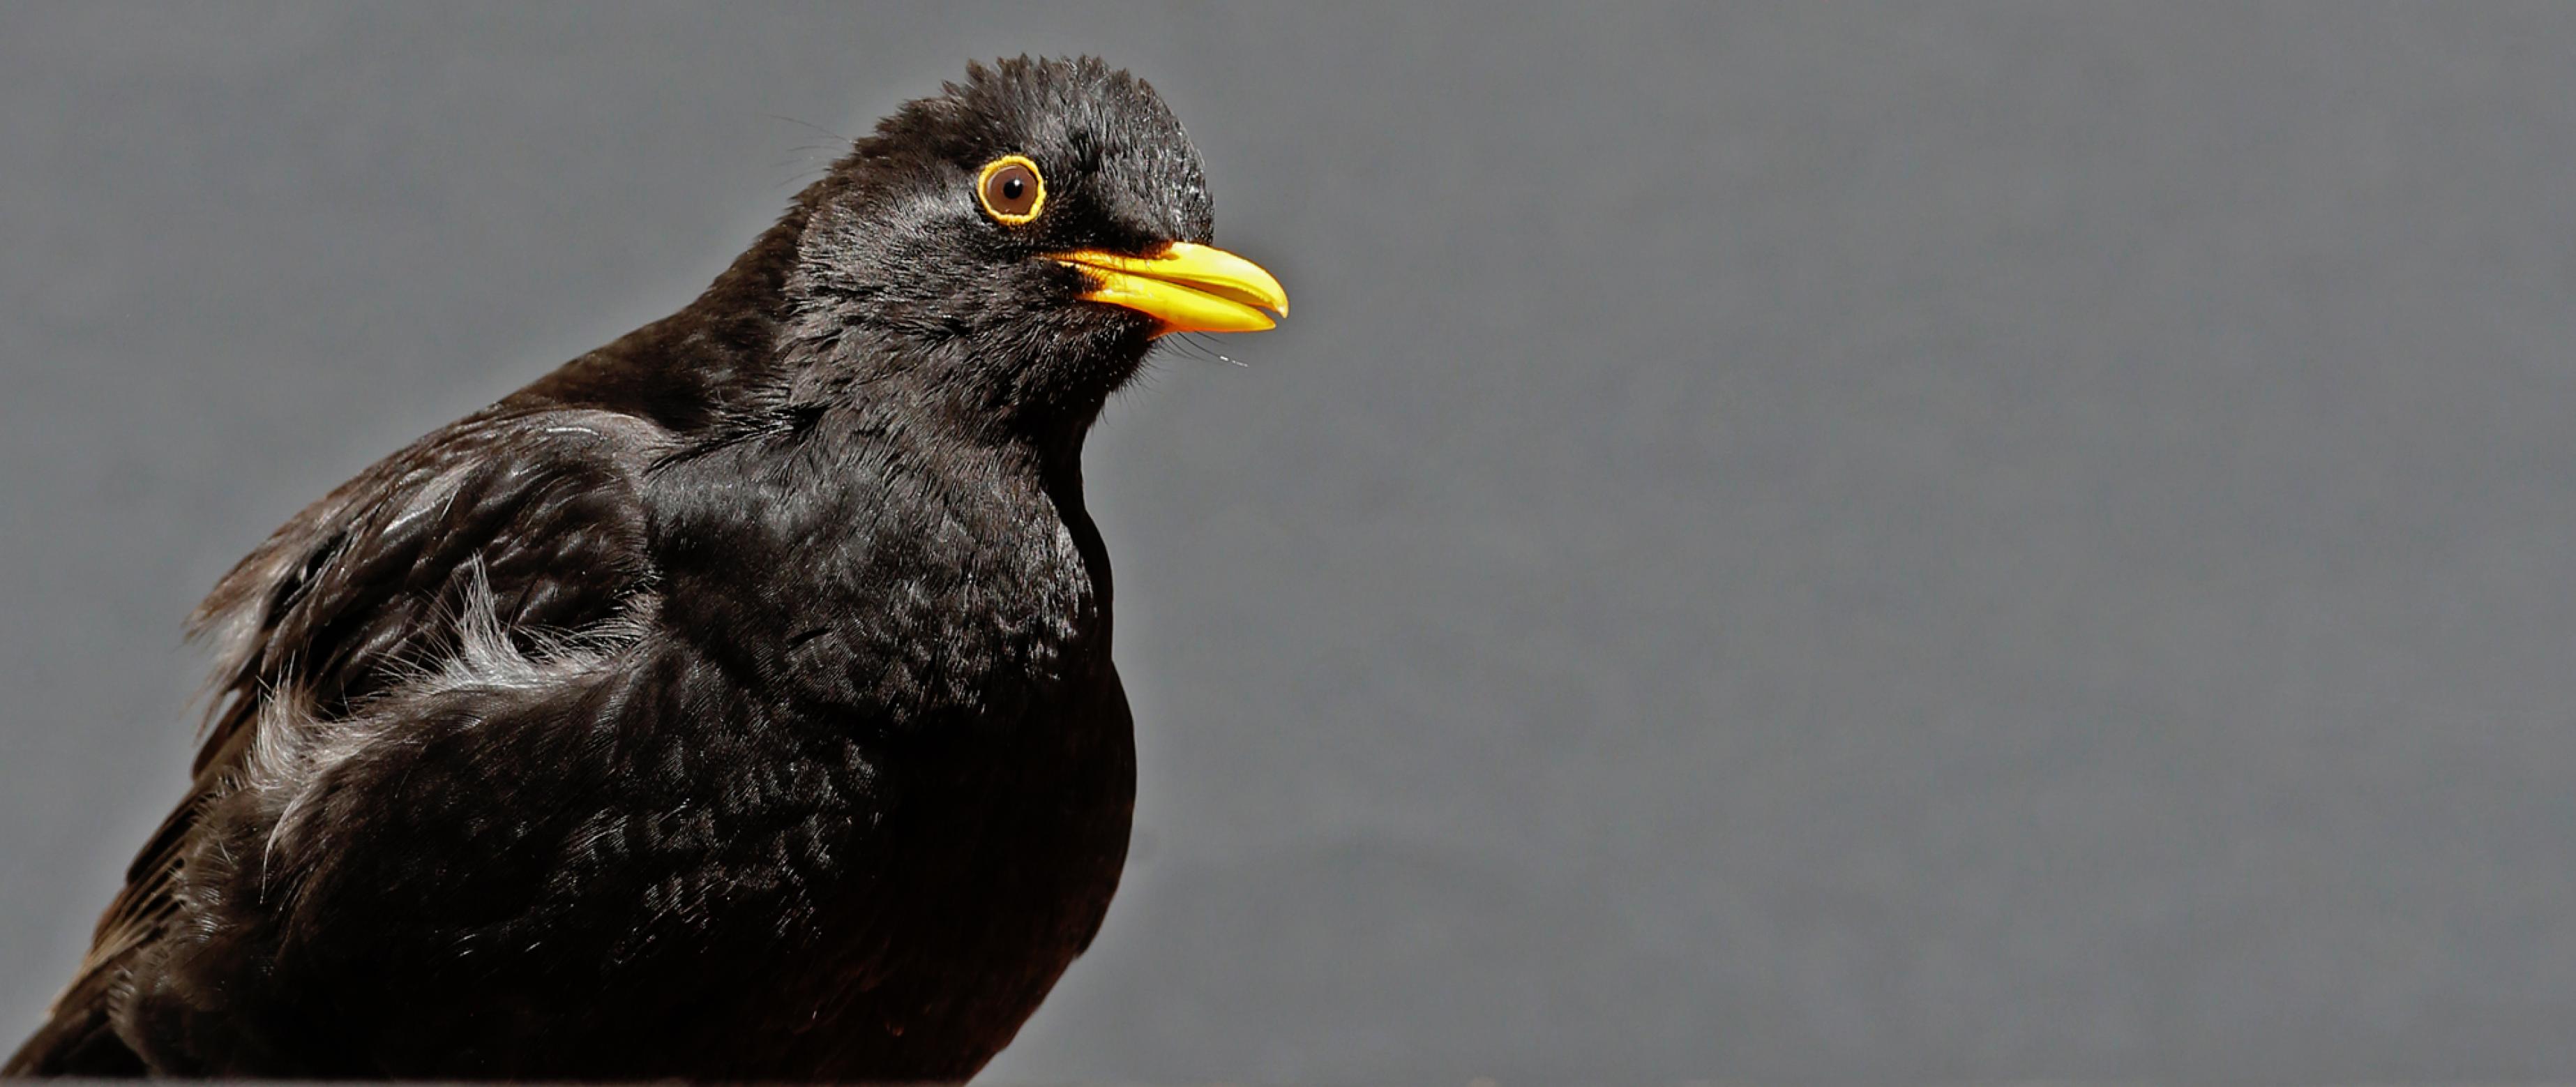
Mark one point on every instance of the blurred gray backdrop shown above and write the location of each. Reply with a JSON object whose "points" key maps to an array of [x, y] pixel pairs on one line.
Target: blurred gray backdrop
{"points": [[1805, 542]]}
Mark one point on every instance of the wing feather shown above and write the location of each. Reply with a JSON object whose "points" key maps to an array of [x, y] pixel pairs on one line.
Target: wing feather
{"points": [[370, 587]]}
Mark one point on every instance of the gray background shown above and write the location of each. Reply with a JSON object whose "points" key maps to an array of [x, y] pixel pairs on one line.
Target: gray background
{"points": [[1812, 542]]}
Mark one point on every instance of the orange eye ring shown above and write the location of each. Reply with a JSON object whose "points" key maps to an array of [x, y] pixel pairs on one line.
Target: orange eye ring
{"points": [[1011, 189]]}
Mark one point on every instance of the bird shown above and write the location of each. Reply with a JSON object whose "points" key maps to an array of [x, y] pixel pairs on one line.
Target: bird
{"points": [[732, 702]]}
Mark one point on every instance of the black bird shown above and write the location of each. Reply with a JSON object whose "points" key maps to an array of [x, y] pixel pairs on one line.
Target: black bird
{"points": [[733, 702]]}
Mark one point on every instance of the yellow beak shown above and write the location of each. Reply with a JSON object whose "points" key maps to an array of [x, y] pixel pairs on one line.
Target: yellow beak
{"points": [[1190, 288]]}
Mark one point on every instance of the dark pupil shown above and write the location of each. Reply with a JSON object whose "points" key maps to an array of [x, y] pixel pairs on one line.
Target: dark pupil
{"points": [[1011, 187]]}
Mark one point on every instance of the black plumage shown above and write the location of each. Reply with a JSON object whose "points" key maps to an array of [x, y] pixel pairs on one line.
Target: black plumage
{"points": [[734, 702]]}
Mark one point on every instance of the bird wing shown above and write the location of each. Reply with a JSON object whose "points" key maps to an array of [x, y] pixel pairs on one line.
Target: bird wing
{"points": [[369, 588]]}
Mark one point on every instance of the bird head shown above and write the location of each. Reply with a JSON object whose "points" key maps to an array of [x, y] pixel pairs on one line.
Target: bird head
{"points": [[1018, 242]]}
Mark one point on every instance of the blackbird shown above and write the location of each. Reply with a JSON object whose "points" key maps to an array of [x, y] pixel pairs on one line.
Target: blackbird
{"points": [[733, 702]]}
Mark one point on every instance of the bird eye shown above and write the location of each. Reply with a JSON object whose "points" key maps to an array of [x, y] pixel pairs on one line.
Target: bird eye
{"points": [[1011, 189]]}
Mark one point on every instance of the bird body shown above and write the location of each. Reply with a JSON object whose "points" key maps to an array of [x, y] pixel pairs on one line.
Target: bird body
{"points": [[734, 702]]}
